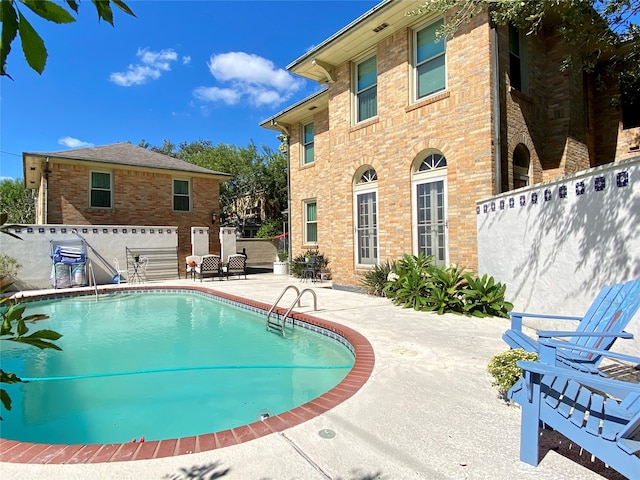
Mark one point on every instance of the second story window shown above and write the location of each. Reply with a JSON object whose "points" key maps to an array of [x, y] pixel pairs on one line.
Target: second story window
{"points": [[517, 60], [429, 60], [630, 102], [366, 89], [101, 190], [307, 143], [181, 197]]}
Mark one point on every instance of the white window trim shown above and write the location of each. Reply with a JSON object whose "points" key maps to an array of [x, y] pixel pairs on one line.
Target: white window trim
{"points": [[173, 194], [303, 145], [429, 176], [359, 189], [355, 92], [91, 189], [305, 222], [414, 64]]}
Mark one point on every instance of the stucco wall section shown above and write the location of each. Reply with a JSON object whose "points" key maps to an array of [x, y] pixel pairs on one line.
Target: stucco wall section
{"points": [[555, 255]]}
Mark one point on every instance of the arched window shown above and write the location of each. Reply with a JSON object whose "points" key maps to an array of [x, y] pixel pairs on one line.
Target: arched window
{"points": [[521, 163], [429, 200], [365, 200], [431, 162]]}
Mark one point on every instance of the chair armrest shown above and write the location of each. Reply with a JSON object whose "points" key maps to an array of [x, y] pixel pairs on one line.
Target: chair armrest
{"points": [[594, 381], [552, 345], [516, 318], [559, 333]]}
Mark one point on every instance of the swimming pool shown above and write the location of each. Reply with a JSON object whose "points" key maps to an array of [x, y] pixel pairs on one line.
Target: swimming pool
{"points": [[160, 365]]}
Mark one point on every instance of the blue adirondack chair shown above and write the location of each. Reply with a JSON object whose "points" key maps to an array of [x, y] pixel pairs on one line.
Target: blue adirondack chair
{"points": [[604, 322], [601, 415]]}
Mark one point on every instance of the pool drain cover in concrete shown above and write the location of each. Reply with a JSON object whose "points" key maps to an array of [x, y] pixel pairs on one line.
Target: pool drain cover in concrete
{"points": [[326, 433]]}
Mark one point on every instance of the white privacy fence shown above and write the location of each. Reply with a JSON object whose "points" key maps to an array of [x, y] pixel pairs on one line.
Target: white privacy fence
{"points": [[104, 243], [557, 243]]}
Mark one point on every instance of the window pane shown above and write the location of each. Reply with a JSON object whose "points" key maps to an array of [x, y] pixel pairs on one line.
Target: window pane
{"points": [[308, 133], [312, 233], [367, 74], [101, 180], [181, 204], [311, 212], [180, 187], [101, 198], [514, 40], [308, 153], [431, 77], [427, 46], [368, 104]]}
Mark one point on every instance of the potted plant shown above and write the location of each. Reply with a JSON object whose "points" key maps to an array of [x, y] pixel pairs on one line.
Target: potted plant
{"points": [[281, 265], [9, 267]]}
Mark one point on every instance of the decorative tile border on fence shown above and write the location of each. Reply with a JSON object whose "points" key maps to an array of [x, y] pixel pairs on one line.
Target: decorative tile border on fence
{"points": [[592, 182]]}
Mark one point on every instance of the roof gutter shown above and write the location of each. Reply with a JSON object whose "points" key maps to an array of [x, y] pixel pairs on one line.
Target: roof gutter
{"points": [[287, 137], [311, 54]]}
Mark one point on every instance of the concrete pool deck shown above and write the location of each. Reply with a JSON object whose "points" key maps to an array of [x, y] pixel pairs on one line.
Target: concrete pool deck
{"points": [[428, 410]]}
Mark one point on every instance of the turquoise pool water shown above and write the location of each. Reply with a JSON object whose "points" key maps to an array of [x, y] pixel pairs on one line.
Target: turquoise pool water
{"points": [[159, 366]]}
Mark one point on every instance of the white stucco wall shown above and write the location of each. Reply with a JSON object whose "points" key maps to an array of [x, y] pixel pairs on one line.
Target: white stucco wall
{"points": [[555, 255], [108, 242]]}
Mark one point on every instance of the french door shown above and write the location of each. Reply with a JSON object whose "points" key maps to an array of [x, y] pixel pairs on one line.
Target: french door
{"points": [[367, 228], [431, 222]]}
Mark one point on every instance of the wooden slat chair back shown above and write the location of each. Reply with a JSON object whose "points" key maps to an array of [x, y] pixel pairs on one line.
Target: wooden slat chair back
{"points": [[210, 266], [604, 322], [601, 415]]}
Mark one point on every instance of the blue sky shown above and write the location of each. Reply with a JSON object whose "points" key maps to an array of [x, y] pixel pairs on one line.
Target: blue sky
{"points": [[181, 70]]}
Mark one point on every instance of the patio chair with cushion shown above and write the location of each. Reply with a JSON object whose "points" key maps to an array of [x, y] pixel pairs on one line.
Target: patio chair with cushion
{"points": [[209, 267], [236, 265], [190, 264]]}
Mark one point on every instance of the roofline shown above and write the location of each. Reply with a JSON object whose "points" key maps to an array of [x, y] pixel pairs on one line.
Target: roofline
{"points": [[313, 52], [85, 161], [290, 108]]}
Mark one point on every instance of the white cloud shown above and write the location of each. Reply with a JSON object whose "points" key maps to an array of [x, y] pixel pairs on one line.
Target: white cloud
{"points": [[74, 143], [186, 60], [215, 94], [151, 66], [249, 77]]}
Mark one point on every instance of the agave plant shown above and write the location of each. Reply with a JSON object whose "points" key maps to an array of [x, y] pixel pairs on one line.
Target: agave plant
{"points": [[376, 279]]}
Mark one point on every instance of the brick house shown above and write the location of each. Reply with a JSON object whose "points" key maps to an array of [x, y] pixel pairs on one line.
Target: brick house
{"points": [[122, 184], [409, 132]]}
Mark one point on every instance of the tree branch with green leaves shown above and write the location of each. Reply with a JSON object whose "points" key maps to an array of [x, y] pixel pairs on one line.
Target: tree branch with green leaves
{"points": [[14, 326], [596, 30], [15, 24]]}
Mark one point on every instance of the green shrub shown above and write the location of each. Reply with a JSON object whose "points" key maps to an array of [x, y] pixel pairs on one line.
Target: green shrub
{"points": [[417, 283], [375, 279], [504, 369], [484, 297]]}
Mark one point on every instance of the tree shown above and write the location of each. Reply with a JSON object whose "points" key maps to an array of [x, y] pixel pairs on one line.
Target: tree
{"points": [[15, 23], [17, 201], [597, 31]]}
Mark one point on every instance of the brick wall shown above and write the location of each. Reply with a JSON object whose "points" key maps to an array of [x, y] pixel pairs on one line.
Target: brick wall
{"points": [[456, 122], [553, 118], [141, 197]]}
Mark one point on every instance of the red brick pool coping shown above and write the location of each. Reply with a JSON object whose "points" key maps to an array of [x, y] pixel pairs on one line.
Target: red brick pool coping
{"points": [[23, 452]]}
